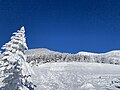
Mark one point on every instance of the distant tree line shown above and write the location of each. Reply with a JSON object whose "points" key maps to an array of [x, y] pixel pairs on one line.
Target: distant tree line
{"points": [[65, 57]]}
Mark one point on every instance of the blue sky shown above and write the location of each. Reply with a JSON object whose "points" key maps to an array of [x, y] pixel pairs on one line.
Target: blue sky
{"points": [[63, 25]]}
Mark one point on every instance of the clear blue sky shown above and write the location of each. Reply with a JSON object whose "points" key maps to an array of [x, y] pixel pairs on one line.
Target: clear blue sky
{"points": [[63, 25]]}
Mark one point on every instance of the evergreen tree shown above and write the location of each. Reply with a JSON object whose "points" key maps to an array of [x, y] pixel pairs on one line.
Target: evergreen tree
{"points": [[16, 71], [115, 84]]}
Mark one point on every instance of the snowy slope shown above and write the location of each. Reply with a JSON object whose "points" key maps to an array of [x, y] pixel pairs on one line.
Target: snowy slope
{"points": [[75, 76], [39, 51]]}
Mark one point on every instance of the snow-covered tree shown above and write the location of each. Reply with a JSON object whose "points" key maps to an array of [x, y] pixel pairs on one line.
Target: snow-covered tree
{"points": [[114, 84], [16, 71]]}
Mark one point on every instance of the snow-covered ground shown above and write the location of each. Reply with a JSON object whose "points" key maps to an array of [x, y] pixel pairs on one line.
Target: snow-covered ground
{"points": [[75, 76]]}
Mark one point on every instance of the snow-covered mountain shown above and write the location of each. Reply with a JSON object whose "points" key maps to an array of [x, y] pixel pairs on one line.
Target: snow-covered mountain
{"points": [[43, 55], [114, 53], [39, 51]]}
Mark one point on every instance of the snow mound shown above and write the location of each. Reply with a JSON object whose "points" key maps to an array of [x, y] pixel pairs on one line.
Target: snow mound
{"points": [[87, 86]]}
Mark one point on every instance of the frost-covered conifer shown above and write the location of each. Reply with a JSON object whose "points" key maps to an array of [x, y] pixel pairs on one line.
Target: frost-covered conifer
{"points": [[16, 71]]}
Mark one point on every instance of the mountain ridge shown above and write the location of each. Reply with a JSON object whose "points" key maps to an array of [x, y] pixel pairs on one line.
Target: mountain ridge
{"points": [[87, 52], [45, 55]]}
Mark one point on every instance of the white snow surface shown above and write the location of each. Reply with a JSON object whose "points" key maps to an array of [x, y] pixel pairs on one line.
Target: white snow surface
{"points": [[87, 53], [75, 76]]}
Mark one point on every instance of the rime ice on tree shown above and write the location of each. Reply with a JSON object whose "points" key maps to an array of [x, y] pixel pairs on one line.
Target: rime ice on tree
{"points": [[16, 71]]}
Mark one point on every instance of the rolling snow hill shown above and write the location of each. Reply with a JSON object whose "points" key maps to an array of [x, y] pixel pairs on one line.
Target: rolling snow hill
{"points": [[43, 55]]}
